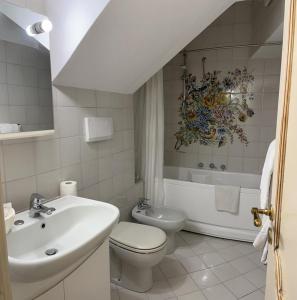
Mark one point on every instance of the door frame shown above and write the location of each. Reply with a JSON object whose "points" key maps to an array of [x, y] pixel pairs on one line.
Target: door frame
{"points": [[289, 46]]}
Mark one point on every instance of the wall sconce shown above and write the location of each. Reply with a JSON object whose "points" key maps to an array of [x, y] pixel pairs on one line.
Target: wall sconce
{"points": [[39, 27]]}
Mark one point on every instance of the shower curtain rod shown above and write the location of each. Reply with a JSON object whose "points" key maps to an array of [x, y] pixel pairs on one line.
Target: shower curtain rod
{"points": [[233, 46]]}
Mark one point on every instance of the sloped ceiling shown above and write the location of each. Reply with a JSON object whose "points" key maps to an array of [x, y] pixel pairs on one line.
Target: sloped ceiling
{"points": [[127, 42]]}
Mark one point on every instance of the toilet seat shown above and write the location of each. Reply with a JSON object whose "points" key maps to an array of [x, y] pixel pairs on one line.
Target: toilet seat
{"points": [[138, 238]]}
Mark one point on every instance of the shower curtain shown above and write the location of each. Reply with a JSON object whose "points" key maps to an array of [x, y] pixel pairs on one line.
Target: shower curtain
{"points": [[149, 138]]}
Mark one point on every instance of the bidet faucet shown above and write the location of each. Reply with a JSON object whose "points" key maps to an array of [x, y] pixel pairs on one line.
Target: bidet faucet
{"points": [[143, 204], [37, 207]]}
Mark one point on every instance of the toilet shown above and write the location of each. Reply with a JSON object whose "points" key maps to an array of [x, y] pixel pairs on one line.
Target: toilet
{"points": [[135, 249], [167, 219]]}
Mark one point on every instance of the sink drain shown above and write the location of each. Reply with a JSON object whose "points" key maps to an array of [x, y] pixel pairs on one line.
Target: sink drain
{"points": [[51, 251]]}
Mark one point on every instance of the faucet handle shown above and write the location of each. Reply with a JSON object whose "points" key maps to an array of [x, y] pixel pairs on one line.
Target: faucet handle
{"points": [[36, 200], [212, 166], [143, 203]]}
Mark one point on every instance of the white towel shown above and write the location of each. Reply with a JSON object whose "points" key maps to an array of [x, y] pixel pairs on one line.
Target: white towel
{"points": [[227, 198], [9, 128], [261, 240], [266, 176]]}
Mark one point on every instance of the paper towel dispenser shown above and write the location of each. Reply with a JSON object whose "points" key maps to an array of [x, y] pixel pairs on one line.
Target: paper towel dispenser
{"points": [[98, 129]]}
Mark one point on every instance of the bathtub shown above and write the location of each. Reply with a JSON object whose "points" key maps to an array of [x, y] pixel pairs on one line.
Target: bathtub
{"points": [[193, 192]]}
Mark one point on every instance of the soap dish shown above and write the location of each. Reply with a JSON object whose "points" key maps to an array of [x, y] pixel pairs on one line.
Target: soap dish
{"points": [[9, 216]]}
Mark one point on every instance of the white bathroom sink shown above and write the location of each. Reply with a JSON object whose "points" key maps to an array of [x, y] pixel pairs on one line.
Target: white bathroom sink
{"points": [[75, 229]]}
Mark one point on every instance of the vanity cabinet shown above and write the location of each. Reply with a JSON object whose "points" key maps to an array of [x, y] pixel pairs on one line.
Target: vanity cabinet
{"points": [[90, 281], [56, 293]]}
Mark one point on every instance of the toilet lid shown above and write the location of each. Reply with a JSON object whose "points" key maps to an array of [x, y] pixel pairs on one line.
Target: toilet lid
{"points": [[138, 236]]}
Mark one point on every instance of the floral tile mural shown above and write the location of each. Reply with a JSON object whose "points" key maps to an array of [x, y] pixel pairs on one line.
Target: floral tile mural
{"points": [[213, 110]]}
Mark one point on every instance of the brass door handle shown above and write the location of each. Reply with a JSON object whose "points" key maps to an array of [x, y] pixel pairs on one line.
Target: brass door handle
{"points": [[257, 211]]}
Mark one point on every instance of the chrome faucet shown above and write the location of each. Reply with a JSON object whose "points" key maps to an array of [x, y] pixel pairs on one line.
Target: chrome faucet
{"points": [[37, 207], [143, 204]]}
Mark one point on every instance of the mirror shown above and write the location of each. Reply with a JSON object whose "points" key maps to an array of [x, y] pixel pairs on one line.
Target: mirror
{"points": [[25, 76]]}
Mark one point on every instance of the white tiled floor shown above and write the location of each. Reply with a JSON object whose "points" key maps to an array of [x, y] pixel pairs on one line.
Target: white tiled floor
{"points": [[205, 268]]}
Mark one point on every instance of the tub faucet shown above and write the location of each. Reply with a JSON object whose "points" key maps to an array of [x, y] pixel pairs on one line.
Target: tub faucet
{"points": [[223, 167], [37, 207], [143, 204], [201, 165], [212, 166]]}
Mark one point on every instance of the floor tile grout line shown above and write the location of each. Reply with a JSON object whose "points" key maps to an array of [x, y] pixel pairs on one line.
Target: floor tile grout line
{"points": [[257, 290], [241, 256], [178, 258], [233, 292]]}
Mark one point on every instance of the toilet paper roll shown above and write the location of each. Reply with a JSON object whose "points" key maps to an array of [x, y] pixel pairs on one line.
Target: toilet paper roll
{"points": [[68, 188]]}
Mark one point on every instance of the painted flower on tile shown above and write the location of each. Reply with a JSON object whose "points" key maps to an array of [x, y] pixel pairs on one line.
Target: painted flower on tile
{"points": [[213, 109]]}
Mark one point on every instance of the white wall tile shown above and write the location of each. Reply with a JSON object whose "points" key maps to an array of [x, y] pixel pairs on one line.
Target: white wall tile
{"points": [[90, 173], [105, 167], [14, 74], [267, 133], [106, 190], [4, 113], [3, 77], [91, 192], [30, 77], [3, 94], [235, 164], [89, 151], [17, 114], [272, 66], [251, 165], [2, 51], [48, 184], [70, 150], [271, 83], [72, 172], [19, 160], [68, 121], [18, 192], [270, 101], [47, 155], [66, 96], [86, 98]]}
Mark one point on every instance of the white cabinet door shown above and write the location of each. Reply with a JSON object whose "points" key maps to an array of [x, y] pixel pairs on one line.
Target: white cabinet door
{"points": [[56, 293], [91, 281]]}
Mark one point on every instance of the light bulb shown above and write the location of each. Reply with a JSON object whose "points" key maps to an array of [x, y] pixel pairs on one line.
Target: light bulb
{"points": [[46, 25]]}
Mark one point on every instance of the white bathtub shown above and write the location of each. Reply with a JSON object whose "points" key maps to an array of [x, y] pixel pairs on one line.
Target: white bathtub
{"points": [[193, 192]]}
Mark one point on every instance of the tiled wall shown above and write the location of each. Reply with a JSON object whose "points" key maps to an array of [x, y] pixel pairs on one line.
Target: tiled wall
{"points": [[25, 87], [104, 170], [233, 27]]}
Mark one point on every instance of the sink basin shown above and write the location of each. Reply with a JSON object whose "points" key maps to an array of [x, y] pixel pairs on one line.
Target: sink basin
{"points": [[75, 229]]}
